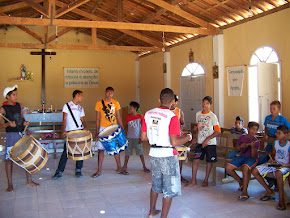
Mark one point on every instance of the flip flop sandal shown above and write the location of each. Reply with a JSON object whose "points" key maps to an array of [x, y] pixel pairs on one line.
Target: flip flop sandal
{"points": [[124, 172], [95, 175], [243, 197], [281, 207], [267, 198]]}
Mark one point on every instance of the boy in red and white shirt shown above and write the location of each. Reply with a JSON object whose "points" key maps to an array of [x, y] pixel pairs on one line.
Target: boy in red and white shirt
{"points": [[207, 130], [133, 123], [162, 128]]}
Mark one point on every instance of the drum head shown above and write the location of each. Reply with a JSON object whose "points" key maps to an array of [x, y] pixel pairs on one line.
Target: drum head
{"points": [[108, 131], [21, 146], [78, 134]]}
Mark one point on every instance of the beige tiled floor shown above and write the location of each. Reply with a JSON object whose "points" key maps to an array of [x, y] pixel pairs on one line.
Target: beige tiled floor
{"points": [[123, 196]]}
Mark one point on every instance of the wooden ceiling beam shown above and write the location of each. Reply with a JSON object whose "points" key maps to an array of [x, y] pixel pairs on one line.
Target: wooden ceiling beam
{"points": [[120, 10], [96, 18], [51, 9], [70, 7], [37, 7], [182, 13], [16, 6], [59, 34], [105, 25], [94, 36], [27, 30], [77, 47]]}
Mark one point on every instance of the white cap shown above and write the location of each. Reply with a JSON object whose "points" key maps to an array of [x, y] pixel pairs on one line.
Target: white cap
{"points": [[8, 89]]}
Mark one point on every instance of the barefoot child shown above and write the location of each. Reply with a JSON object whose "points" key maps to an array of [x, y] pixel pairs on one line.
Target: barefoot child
{"points": [[280, 155], [207, 130], [161, 127], [134, 122], [248, 146], [12, 110]]}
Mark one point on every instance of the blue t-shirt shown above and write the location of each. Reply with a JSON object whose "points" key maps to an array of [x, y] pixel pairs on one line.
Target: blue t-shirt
{"points": [[272, 125]]}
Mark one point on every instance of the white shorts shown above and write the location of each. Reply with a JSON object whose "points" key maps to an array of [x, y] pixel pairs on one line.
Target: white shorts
{"points": [[265, 169], [99, 144]]}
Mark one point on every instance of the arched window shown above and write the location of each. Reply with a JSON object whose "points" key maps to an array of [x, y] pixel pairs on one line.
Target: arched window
{"points": [[193, 69], [263, 69]]}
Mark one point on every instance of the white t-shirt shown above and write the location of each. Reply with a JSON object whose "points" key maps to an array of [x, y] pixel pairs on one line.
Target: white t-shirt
{"points": [[205, 125], [159, 123], [78, 112], [282, 152]]}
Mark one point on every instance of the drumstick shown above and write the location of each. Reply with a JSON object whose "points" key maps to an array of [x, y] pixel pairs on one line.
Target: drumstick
{"points": [[5, 118], [26, 127]]}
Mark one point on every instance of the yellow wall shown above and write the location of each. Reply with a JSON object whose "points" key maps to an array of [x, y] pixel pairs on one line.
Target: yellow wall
{"points": [[116, 69], [203, 54], [151, 81], [239, 44], [151, 76]]}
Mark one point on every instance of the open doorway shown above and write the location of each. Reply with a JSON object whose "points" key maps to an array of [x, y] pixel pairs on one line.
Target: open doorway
{"points": [[192, 91], [264, 83]]}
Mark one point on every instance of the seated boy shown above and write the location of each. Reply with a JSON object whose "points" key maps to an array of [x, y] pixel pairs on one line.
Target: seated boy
{"points": [[238, 129], [248, 146], [133, 123], [280, 155]]}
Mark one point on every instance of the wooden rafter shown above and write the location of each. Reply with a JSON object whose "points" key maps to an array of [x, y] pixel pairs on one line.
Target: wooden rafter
{"points": [[105, 25], [147, 20], [94, 36], [51, 8], [120, 10], [96, 18], [79, 47], [16, 6], [37, 7], [182, 13], [59, 34], [70, 7]]}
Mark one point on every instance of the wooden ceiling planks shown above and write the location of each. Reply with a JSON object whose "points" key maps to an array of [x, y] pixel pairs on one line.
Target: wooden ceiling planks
{"points": [[211, 14]]}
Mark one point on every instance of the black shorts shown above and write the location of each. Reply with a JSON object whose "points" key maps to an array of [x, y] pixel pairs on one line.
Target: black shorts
{"points": [[209, 151]]}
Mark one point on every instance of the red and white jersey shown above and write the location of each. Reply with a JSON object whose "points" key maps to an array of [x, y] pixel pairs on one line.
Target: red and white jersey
{"points": [[159, 123]]}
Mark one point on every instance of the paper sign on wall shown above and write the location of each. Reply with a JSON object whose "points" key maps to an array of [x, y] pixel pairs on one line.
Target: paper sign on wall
{"points": [[81, 77], [235, 80]]}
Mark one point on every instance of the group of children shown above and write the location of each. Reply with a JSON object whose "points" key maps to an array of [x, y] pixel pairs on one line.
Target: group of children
{"points": [[162, 128]]}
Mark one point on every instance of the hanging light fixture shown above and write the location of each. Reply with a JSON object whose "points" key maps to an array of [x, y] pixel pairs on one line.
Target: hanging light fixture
{"points": [[251, 14], [163, 43], [56, 39]]}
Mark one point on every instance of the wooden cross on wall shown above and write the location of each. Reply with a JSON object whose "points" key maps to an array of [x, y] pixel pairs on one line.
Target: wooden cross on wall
{"points": [[43, 53]]}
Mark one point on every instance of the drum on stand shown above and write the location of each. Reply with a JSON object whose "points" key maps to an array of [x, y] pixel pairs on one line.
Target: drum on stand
{"points": [[113, 139], [79, 145], [29, 154]]}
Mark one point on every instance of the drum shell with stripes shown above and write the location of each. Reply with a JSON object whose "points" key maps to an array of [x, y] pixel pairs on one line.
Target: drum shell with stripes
{"points": [[26, 158], [84, 143]]}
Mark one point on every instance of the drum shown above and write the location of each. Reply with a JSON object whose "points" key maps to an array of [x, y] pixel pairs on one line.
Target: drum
{"points": [[113, 139], [182, 152], [29, 154], [79, 145]]}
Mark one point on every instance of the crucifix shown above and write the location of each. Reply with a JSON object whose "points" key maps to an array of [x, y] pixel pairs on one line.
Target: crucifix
{"points": [[43, 53]]}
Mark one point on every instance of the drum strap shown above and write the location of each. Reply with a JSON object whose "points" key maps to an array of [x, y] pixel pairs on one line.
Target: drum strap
{"points": [[71, 113], [156, 146]]}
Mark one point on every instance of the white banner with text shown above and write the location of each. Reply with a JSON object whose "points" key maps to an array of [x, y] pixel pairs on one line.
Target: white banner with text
{"points": [[235, 80], [81, 77]]}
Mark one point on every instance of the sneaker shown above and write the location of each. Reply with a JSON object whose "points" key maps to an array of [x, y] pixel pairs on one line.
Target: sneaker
{"points": [[56, 176], [228, 179], [78, 174]]}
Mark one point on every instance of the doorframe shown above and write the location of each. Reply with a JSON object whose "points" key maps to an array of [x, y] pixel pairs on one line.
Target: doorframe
{"points": [[279, 89], [190, 77]]}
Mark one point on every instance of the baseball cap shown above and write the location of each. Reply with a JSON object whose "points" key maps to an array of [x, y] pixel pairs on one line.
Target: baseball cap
{"points": [[8, 89]]}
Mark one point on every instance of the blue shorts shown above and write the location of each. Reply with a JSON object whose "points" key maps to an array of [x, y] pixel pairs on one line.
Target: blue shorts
{"points": [[166, 176], [11, 139], [244, 160]]}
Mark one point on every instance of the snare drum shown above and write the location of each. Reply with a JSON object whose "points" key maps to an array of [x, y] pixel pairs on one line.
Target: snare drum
{"points": [[79, 145], [113, 139], [182, 152], [29, 154]]}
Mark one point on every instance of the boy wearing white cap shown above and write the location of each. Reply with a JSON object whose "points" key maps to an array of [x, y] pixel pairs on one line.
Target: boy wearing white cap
{"points": [[12, 110]]}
